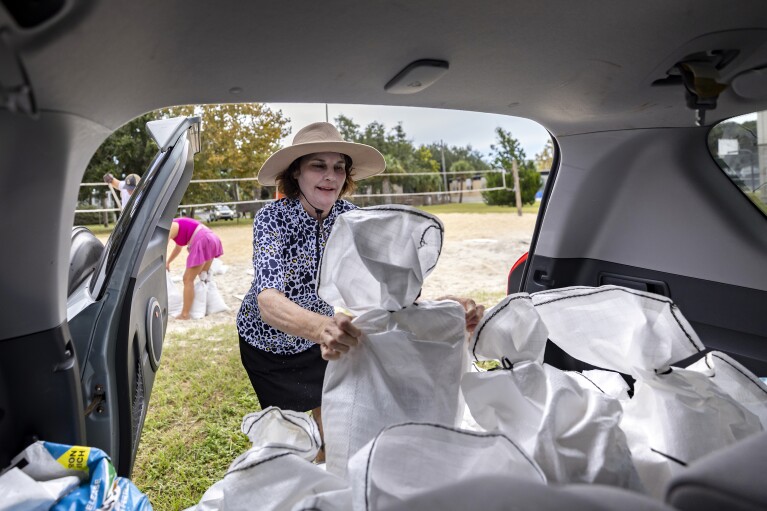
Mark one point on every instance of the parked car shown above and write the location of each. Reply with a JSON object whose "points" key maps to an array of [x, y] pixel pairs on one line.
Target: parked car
{"points": [[221, 212], [629, 92]]}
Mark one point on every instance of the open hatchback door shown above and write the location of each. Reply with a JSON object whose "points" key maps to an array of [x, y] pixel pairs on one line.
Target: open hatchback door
{"points": [[89, 381]]}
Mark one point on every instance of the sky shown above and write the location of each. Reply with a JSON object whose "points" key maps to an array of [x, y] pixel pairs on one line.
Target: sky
{"points": [[424, 125]]}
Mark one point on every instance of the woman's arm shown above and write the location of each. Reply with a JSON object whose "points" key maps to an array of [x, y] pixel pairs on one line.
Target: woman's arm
{"points": [[335, 335], [177, 248], [173, 254], [474, 312]]}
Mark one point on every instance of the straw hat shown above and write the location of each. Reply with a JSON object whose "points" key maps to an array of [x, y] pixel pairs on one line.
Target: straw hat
{"points": [[322, 137]]}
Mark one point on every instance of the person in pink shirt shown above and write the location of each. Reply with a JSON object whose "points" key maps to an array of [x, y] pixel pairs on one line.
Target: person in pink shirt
{"points": [[203, 246]]}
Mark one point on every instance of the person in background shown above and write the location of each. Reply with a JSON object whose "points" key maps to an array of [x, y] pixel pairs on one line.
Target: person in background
{"points": [[287, 333], [126, 187], [203, 246]]}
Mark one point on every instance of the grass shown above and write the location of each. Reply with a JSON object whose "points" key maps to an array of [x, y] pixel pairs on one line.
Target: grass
{"points": [[477, 207], [192, 430]]}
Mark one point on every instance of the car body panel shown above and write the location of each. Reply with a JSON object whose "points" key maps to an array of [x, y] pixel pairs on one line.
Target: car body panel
{"points": [[104, 359], [644, 189], [119, 336]]}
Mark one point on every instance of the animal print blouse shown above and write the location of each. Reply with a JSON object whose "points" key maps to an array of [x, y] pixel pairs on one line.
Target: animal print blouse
{"points": [[287, 246]]}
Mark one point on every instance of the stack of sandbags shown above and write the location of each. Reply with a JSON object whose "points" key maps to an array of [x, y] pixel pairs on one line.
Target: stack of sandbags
{"points": [[572, 433], [207, 297], [675, 415]]}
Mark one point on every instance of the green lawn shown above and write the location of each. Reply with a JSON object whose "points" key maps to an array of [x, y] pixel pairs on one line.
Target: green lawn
{"points": [[477, 207], [192, 429]]}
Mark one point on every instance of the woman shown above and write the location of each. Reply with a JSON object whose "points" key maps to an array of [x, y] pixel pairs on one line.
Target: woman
{"points": [[203, 246], [287, 333]]}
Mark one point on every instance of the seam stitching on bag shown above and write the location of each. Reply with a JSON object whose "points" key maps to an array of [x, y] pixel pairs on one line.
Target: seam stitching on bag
{"points": [[589, 380], [741, 372], [261, 462], [668, 456]]}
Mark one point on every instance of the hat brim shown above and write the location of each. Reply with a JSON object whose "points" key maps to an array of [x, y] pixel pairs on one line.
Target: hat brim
{"points": [[366, 160]]}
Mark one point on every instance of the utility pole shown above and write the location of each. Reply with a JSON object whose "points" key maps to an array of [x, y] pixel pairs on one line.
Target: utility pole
{"points": [[444, 170], [326, 112], [517, 191]]}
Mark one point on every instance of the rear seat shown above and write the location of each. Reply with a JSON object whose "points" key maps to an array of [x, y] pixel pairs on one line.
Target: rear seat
{"points": [[84, 255]]}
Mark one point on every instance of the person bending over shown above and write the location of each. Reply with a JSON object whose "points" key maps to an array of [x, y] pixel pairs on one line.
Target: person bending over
{"points": [[203, 246]]}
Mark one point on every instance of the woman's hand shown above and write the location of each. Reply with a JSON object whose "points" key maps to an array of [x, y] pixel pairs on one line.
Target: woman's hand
{"points": [[474, 312], [338, 336]]}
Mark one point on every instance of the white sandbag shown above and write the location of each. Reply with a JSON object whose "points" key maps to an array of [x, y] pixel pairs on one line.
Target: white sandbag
{"points": [[736, 381], [513, 329], [676, 418], [200, 302], [276, 473], [214, 302], [675, 415], [616, 328], [572, 433], [411, 356], [175, 298], [377, 258], [217, 267], [407, 460], [407, 368]]}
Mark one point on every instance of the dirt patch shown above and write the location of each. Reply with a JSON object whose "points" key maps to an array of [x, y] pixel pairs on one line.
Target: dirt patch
{"points": [[478, 251]]}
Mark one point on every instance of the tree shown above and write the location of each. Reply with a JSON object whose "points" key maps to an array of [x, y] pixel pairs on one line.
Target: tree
{"points": [[236, 140], [545, 159], [348, 129], [129, 150], [456, 153], [401, 156], [507, 151]]}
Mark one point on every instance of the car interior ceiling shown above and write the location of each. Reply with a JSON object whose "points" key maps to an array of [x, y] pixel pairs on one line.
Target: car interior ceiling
{"points": [[637, 200]]}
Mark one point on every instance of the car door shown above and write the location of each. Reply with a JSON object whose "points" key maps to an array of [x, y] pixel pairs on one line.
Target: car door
{"points": [[118, 332], [650, 210]]}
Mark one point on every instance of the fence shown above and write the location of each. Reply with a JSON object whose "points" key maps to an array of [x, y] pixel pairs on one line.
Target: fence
{"points": [[467, 188]]}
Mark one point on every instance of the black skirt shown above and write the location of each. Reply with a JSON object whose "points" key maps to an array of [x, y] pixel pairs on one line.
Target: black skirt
{"points": [[290, 382]]}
